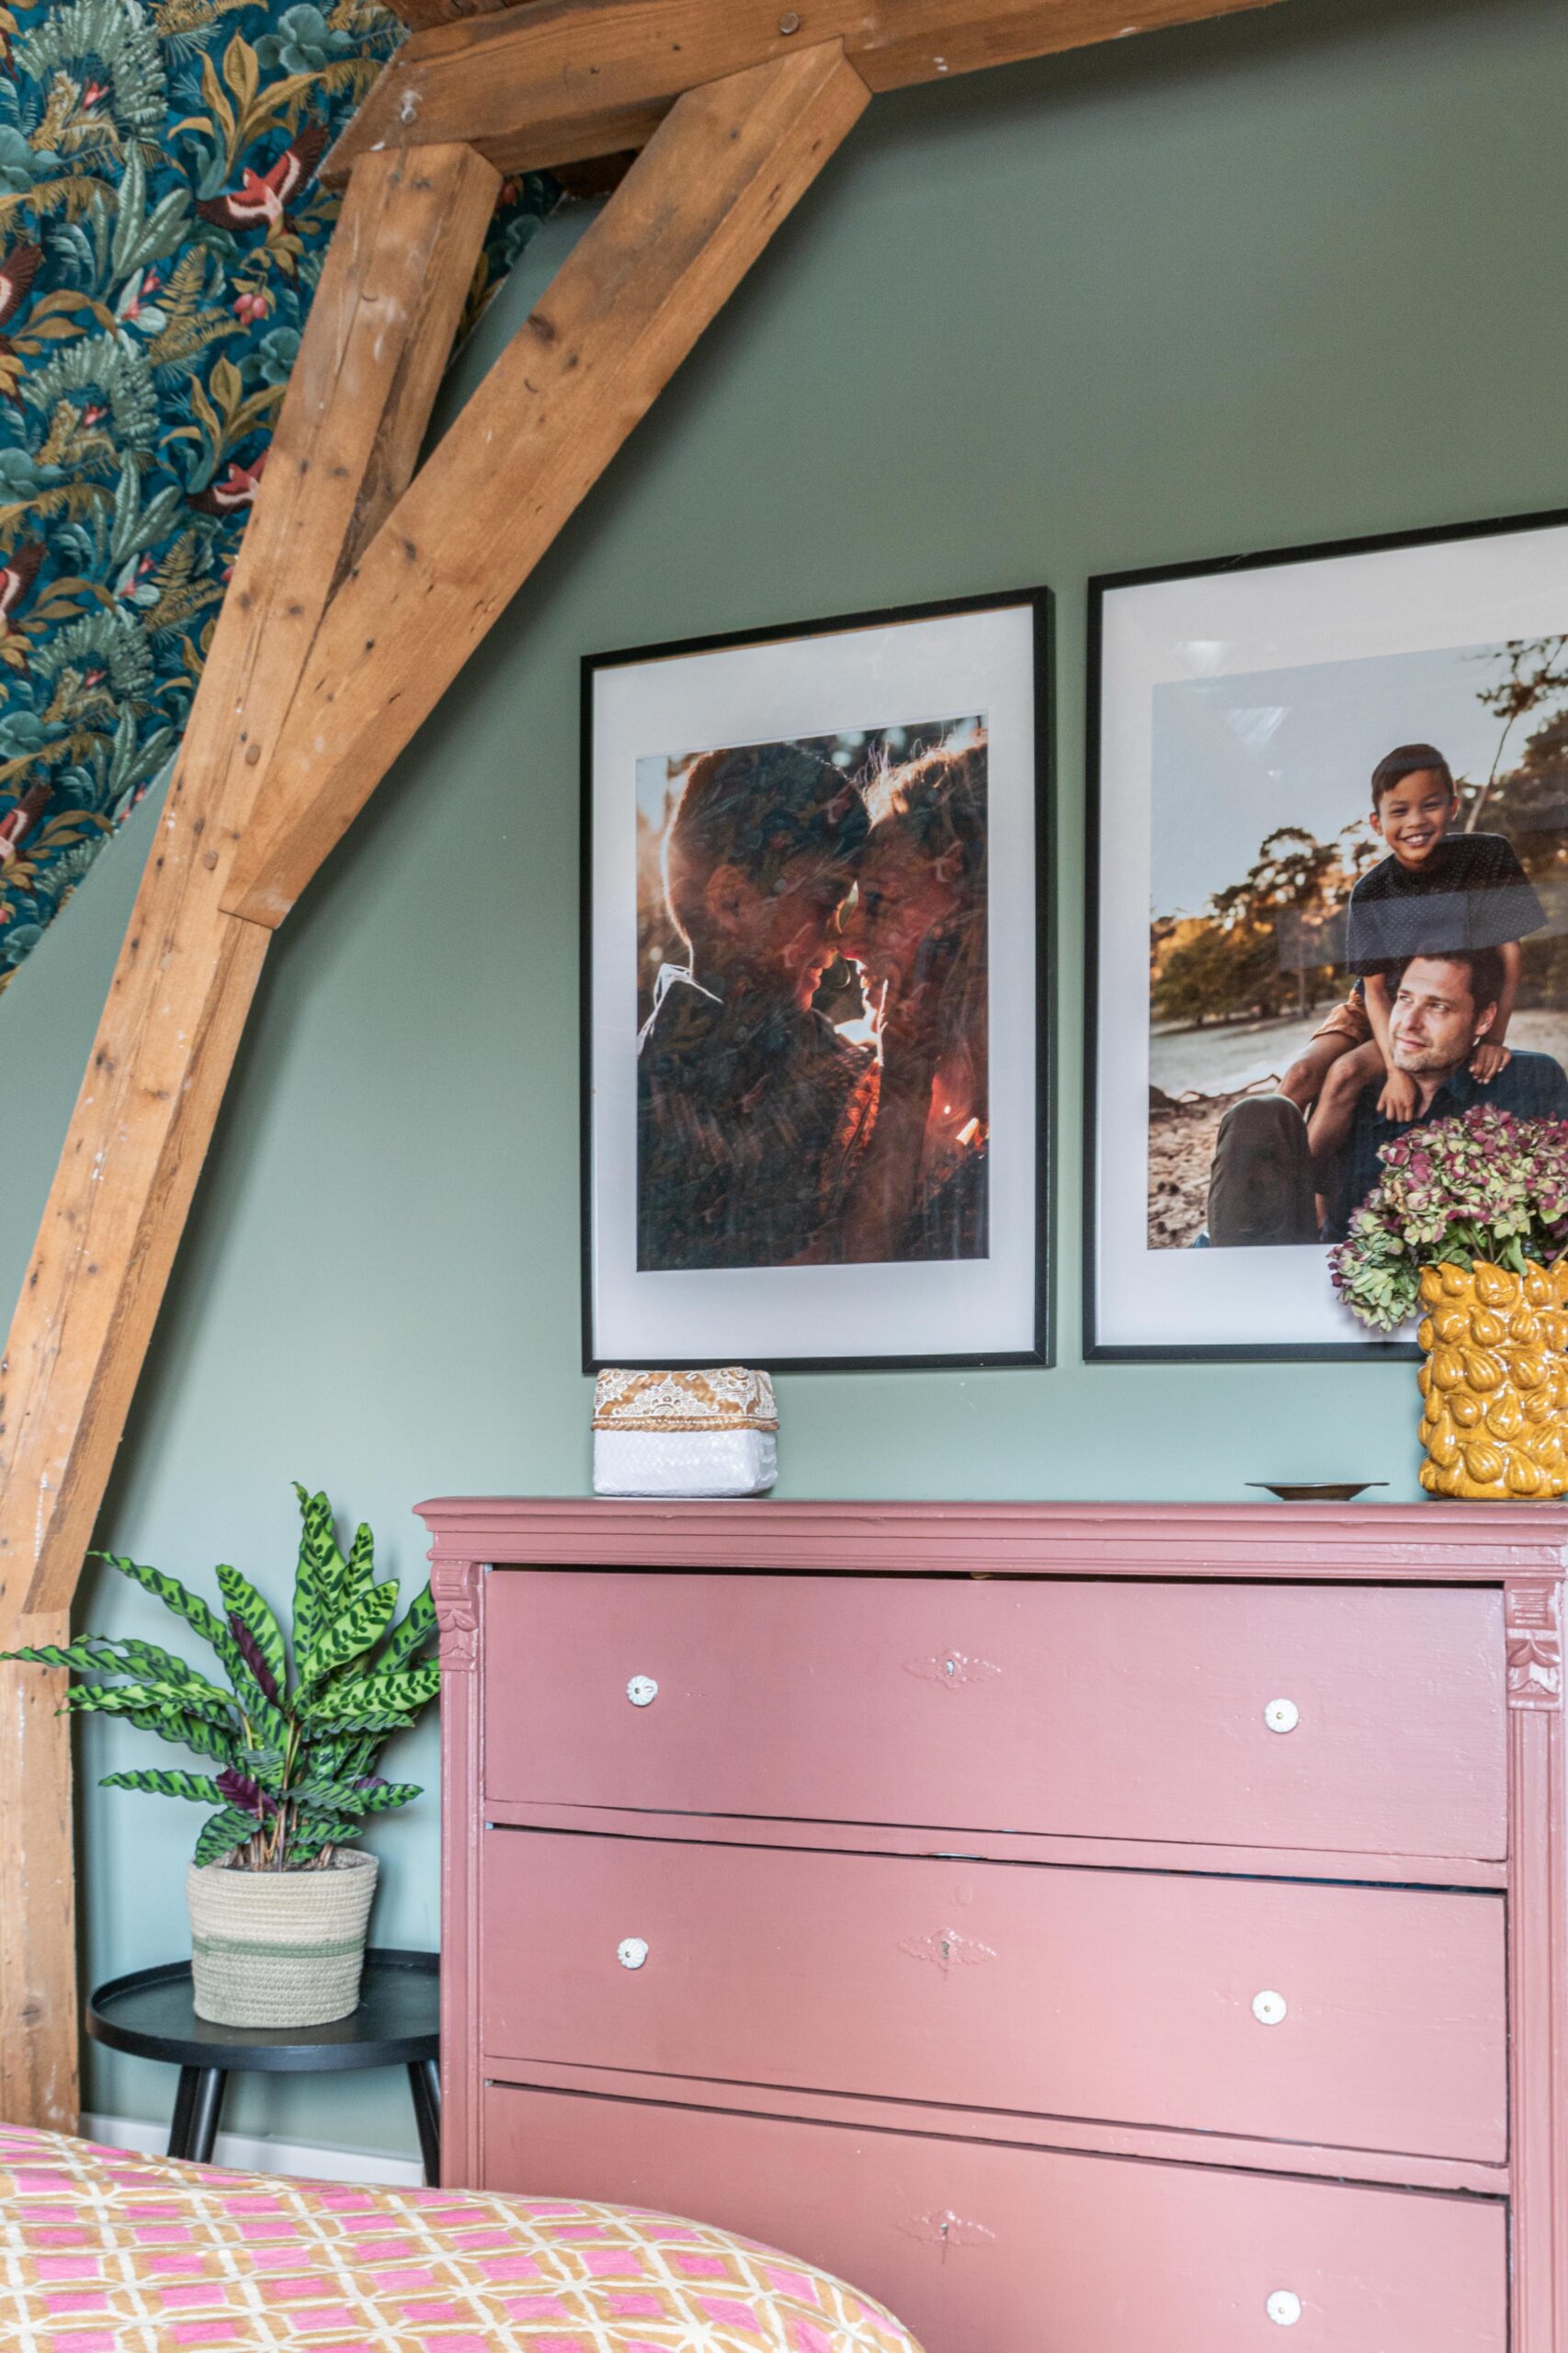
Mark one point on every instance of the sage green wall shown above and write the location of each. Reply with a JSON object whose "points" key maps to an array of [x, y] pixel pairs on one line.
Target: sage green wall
{"points": [[1291, 278]]}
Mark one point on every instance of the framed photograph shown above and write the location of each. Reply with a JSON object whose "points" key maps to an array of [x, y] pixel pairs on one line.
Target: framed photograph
{"points": [[1328, 899], [815, 994]]}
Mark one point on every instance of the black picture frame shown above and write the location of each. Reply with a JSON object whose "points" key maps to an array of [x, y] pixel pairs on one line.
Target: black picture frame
{"points": [[1041, 604], [1101, 588]]}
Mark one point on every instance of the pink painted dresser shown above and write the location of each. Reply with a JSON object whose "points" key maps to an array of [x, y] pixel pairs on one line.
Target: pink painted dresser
{"points": [[1090, 1928]]}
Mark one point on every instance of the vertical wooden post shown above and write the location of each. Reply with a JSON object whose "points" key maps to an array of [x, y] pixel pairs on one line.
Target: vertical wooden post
{"points": [[38, 1891]]}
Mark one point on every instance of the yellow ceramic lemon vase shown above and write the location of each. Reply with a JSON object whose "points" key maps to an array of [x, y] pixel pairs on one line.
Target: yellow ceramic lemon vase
{"points": [[1495, 1383]]}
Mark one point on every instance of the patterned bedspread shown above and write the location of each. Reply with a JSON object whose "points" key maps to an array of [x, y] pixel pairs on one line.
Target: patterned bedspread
{"points": [[105, 2253]]}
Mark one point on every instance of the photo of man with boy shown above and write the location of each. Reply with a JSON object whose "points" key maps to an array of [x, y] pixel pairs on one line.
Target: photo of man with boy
{"points": [[1434, 923]]}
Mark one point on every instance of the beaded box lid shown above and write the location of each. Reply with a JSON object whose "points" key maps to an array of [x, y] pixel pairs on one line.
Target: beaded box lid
{"points": [[728, 1397]]}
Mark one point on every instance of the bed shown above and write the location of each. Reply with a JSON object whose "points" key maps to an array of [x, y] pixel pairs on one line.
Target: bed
{"points": [[104, 2252]]}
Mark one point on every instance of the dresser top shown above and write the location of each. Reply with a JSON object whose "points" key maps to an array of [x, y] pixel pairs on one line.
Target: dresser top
{"points": [[1388, 1543]]}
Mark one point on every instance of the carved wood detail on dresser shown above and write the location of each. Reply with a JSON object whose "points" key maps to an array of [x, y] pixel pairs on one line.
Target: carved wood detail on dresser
{"points": [[1089, 1926]]}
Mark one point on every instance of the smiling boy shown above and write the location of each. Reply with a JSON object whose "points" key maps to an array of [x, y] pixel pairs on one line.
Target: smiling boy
{"points": [[1437, 892]]}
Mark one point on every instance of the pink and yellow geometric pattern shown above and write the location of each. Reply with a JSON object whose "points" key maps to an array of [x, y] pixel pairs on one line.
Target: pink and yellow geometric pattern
{"points": [[101, 2252]]}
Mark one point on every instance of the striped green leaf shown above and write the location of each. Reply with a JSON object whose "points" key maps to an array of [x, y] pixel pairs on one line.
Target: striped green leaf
{"points": [[242, 1597], [319, 1576], [160, 1680], [348, 1797], [316, 1830], [360, 1571], [385, 1797], [150, 1663], [324, 1795], [90, 1655], [186, 1732], [408, 1639], [122, 1698], [404, 1688], [380, 1722], [222, 1833], [257, 1683], [357, 1753], [157, 1784], [351, 1755], [352, 1630], [196, 1613], [175, 1596], [119, 1698]]}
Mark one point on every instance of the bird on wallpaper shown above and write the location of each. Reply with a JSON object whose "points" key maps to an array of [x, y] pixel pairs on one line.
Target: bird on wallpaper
{"points": [[17, 573], [262, 196], [237, 488], [17, 274], [18, 822]]}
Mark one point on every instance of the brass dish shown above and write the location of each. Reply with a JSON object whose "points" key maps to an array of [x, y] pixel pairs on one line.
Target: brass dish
{"points": [[1322, 1491]]}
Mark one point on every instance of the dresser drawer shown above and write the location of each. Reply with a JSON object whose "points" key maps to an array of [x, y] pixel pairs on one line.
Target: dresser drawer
{"points": [[1114, 1710], [981, 2248], [1346, 2017]]}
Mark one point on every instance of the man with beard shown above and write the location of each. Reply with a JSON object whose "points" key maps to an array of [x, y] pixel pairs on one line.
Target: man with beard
{"points": [[1442, 1007], [748, 1102]]}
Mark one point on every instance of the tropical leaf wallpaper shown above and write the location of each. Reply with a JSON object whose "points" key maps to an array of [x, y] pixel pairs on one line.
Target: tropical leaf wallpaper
{"points": [[162, 232]]}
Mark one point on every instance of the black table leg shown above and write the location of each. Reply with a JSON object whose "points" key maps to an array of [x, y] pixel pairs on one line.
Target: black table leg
{"points": [[425, 2080], [184, 2101], [197, 2105]]}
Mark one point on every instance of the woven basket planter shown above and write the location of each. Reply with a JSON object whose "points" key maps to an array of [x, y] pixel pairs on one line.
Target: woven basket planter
{"points": [[279, 1949]]}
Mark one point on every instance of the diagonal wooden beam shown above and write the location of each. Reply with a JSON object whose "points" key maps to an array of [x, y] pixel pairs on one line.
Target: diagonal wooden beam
{"points": [[378, 335], [380, 329], [558, 80], [679, 233]]}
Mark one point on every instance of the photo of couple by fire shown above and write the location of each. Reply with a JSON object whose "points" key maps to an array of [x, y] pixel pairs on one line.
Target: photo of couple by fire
{"points": [[812, 1001], [816, 962]]}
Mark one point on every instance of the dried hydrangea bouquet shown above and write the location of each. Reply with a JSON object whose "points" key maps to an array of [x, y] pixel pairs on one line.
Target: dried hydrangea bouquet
{"points": [[1469, 1222]]}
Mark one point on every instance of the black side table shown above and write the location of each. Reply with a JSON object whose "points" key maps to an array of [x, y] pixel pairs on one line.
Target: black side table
{"points": [[152, 2013]]}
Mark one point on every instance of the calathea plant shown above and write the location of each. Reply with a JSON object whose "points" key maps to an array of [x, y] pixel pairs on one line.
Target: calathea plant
{"points": [[295, 1740]]}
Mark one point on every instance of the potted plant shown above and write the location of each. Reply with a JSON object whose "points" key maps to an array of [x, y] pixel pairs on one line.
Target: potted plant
{"points": [[279, 1905], [1470, 1220]]}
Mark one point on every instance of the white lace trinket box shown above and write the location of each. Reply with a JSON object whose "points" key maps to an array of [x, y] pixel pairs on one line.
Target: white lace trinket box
{"points": [[713, 1433]]}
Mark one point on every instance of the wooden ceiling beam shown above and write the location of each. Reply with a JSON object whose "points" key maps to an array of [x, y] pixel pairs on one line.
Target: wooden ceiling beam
{"points": [[558, 80], [391, 292], [673, 242]]}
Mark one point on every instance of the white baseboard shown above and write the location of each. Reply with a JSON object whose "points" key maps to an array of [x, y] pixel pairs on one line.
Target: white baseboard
{"points": [[242, 2152]]}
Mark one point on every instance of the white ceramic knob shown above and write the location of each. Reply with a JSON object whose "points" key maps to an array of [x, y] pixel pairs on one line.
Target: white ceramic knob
{"points": [[631, 1953], [1282, 1715], [1283, 2308], [1269, 2008], [641, 1690]]}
